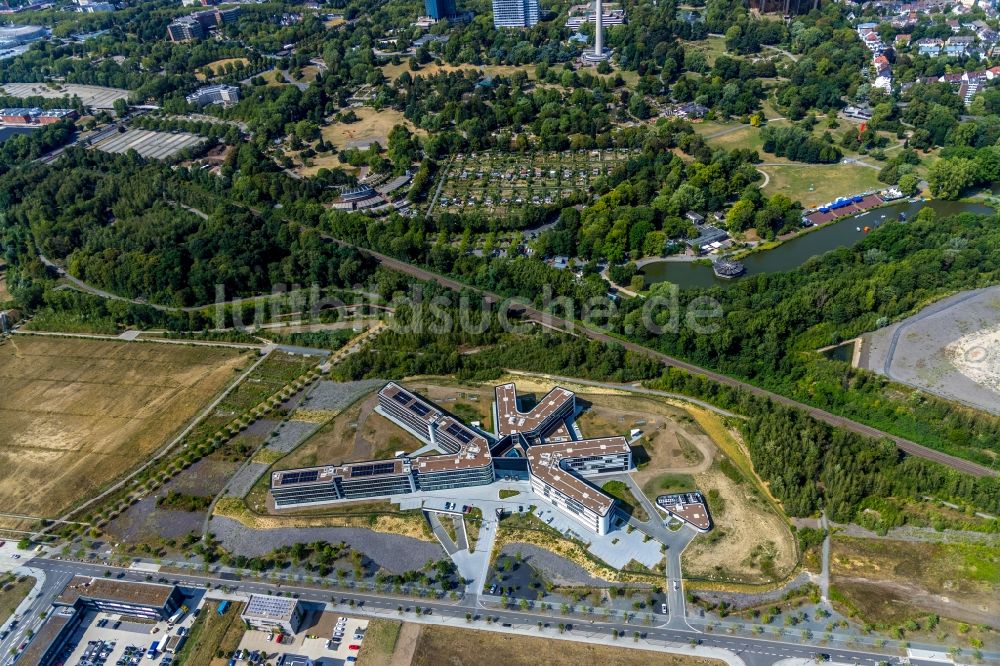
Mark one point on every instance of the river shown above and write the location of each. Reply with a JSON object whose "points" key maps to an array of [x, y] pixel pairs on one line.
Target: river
{"points": [[792, 253]]}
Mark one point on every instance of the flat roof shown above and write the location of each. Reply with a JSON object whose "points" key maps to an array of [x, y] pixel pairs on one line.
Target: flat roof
{"points": [[544, 462], [267, 607], [689, 507], [111, 589], [303, 476], [510, 419], [420, 408], [46, 636]]}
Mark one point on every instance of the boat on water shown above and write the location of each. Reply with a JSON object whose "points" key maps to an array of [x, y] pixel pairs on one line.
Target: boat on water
{"points": [[728, 269]]}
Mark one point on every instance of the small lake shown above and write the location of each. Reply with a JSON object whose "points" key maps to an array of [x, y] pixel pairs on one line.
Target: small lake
{"points": [[792, 253], [7, 132]]}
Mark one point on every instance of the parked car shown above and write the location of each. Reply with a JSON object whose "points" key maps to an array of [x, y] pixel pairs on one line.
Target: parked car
{"points": [[663, 609], [354, 646]]}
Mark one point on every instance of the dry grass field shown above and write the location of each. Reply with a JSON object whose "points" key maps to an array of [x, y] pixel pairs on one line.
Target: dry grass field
{"points": [[750, 543], [467, 647], [217, 66], [371, 124], [13, 590], [78, 413], [890, 582], [357, 433]]}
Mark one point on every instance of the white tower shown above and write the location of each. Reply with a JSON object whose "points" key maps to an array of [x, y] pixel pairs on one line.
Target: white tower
{"points": [[599, 31], [599, 53]]}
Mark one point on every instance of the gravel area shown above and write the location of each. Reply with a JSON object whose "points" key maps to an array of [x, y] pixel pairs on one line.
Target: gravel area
{"points": [[949, 348], [558, 570], [243, 480], [144, 520], [338, 395], [392, 552], [291, 434]]}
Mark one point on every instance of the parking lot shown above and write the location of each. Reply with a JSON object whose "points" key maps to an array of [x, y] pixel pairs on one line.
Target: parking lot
{"points": [[105, 639], [329, 640], [156, 145]]}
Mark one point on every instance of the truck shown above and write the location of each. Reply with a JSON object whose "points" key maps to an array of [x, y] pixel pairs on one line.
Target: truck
{"points": [[222, 608], [153, 650], [175, 618]]}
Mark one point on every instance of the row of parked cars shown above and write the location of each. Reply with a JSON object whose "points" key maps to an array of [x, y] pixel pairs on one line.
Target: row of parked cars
{"points": [[339, 630]]}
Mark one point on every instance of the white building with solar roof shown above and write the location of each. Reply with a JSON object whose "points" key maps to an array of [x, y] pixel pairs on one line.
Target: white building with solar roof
{"points": [[267, 613]]}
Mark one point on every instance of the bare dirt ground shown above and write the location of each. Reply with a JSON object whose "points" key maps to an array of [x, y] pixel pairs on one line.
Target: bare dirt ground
{"points": [[891, 581], [950, 349], [468, 647], [358, 433], [78, 413], [747, 536], [406, 644]]}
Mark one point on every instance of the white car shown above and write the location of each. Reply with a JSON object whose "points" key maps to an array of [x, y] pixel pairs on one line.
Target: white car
{"points": [[677, 585]]}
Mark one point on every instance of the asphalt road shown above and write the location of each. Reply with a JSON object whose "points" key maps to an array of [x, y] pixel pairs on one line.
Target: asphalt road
{"points": [[567, 326], [754, 651]]}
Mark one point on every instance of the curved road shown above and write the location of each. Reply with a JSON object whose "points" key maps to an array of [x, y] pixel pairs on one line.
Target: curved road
{"points": [[566, 326]]}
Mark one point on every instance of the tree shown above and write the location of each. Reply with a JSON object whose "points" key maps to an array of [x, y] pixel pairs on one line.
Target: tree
{"points": [[948, 178], [740, 216], [909, 184]]}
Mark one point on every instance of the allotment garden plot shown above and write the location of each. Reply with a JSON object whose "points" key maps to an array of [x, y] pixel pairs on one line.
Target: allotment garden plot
{"points": [[495, 182]]}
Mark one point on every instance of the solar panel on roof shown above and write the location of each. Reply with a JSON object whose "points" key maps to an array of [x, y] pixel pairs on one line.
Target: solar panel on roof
{"points": [[300, 477], [420, 410], [401, 398], [459, 432], [372, 470]]}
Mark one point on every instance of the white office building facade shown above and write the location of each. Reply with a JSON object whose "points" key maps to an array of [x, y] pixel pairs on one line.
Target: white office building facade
{"points": [[515, 13]]}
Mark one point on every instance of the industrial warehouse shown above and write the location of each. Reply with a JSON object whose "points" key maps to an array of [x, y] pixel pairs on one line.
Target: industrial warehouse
{"points": [[537, 445]]}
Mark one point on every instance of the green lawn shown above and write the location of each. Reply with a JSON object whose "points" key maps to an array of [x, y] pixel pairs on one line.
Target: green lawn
{"points": [[669, 483], [712, 47], [623, 494], [816, 184]]}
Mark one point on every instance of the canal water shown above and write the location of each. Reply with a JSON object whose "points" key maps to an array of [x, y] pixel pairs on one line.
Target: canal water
{"points": [[792, 253]]}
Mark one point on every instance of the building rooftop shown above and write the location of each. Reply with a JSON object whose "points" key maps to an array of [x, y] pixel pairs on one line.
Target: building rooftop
{"points": [[545, 461], [48, 633], [421, 408], [109, 589], [510, 419], [689, 507], [270, 608]]}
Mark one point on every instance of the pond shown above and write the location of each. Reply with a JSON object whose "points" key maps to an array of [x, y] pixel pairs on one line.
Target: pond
{"points": [[794, 252], [7, 132]]}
